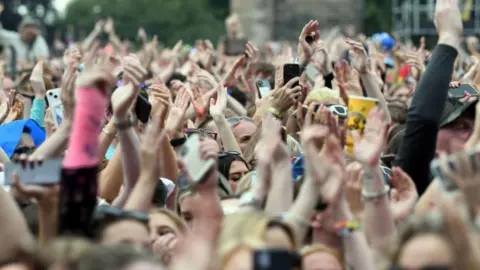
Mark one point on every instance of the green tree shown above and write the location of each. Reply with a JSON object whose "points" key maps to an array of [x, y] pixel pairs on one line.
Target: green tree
{"points": [[378, 16], [170, 20]]}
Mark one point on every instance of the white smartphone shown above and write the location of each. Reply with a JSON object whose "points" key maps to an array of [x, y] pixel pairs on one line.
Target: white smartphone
{"points": [[263, 87], [46, 173], [196, 166], [56, 106]]}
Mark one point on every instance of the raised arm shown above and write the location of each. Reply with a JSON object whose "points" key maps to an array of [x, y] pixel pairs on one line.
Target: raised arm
{"points": [[123, 100], [423, 121], [78, 196]]}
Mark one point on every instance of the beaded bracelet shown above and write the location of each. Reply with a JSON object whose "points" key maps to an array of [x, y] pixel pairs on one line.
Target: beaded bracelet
{"points": [[346, 227]]}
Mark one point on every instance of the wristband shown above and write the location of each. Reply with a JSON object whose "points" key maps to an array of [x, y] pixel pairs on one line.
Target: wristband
{"points": [[346, 227], [369, 196], [179, 141], [124, 125], [105, 130], [275, 113]]}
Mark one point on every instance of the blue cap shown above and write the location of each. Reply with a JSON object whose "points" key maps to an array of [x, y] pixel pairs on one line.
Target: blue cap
{"points": [[11, 133]]}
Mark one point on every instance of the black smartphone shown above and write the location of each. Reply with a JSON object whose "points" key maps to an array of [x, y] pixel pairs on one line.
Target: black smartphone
{"points": [[462, 91], [263, 87], [143, 109], [291, 71], [276, 259]]}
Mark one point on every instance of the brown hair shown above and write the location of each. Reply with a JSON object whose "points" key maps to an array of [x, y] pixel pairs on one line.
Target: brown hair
{"points": [[451, 228]]}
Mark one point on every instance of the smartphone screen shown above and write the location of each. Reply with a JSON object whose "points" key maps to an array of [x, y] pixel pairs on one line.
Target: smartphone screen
{"points": [[263, 87], [276, 259], [47, 173], [462, 91], [195, 165], [290, 71], [56, 106]]}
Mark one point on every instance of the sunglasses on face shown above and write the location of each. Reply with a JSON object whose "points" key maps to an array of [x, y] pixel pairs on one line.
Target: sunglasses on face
{"points": [[201, 132], [235, 120]]}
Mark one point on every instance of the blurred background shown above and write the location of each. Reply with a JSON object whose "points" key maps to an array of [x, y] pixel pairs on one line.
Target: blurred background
{"points": [[262, 20]]}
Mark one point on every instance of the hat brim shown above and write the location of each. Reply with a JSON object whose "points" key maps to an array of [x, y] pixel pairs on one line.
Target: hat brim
{"points": [[457, 112]]}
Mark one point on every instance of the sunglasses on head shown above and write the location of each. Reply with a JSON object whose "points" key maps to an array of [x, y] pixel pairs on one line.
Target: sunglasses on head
{"points": [[235, 120], [339, 110], [201, 132]]}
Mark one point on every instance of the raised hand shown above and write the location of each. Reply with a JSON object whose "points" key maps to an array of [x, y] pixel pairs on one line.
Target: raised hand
{"points": [[310, 29], [369, 148], [448, 22], [159, 94], [253, 56], [217, 108], [36, 81], [322, 58], [230, 75], [286, 96], [358, 56], [403, 195], [99, 77], [176, 114], [124, 97], [465, 176], [353, 188], [67, 93], [274, 148]]}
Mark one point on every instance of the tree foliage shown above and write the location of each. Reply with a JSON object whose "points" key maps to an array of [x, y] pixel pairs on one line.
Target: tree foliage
{"points": [[170, 20], [377, 16]]}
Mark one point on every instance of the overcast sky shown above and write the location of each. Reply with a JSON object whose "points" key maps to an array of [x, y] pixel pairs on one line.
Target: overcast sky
{"points": [[60, 5]]}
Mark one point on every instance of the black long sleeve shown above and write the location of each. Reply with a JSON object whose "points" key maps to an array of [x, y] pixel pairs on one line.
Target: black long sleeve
{"points": [[78, 200], [419, 142]]}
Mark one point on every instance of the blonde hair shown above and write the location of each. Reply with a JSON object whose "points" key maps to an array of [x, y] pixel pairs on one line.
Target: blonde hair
{"points": [[245, 184], [294, 146], [64, 251], [307, 250], [174, 217], [323, 95], [247, 228]]}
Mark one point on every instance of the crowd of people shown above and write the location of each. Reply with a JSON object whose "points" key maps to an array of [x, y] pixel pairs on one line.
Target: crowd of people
{"points": [[233, 157]]}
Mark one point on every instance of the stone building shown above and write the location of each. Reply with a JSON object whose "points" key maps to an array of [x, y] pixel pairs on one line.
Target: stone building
{"points": [[283, 19]]}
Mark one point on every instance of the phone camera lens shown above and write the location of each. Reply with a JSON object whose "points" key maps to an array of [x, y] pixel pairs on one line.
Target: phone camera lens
{"points": [[50, 93], [55, 96]]}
